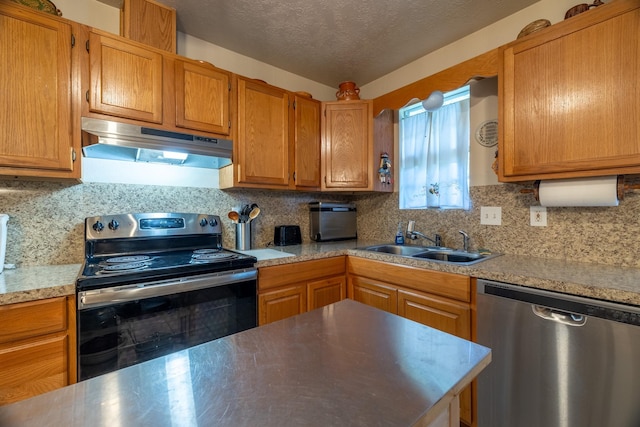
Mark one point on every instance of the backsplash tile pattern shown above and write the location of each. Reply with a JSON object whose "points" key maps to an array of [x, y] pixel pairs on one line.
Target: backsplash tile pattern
{"points": [[607, 235], [46, 219]]}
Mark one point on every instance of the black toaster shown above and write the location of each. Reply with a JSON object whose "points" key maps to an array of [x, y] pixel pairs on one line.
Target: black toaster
{"points": [[285, 235]]}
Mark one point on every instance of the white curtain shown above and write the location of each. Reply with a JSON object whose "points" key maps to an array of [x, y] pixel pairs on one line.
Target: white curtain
{"points": [[434, 155]]}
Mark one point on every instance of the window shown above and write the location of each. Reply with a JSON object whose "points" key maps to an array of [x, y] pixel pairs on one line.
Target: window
{"points": [[434, 154]]}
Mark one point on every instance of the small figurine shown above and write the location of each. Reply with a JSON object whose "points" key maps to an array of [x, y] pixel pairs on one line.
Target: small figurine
{"points": [[384, 173]]}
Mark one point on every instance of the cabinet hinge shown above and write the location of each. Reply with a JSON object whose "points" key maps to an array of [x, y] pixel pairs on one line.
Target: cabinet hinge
{"points": [[294, 105], [73, 40], [229, 124], [229, 86], [86, 95], [294, 177], [73, 154], [86, 45]]}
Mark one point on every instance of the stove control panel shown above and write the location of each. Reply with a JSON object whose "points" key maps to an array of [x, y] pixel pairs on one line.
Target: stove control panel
{"points": [[150, 225]]}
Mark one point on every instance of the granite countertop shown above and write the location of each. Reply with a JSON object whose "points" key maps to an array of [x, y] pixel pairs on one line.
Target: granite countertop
{"points": [[343, 364], [604, 282], [37, 282]]}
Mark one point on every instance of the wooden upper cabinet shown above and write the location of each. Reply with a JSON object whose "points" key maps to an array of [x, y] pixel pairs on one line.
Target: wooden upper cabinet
{"points": [[347, 145], [125, 78], [261, 152], [149, 22], [570, 97], [36, 127], [202, 97], [307, 142]]}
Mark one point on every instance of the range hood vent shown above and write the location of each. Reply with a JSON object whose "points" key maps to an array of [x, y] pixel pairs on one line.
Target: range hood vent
{"points": [[105, 139]]}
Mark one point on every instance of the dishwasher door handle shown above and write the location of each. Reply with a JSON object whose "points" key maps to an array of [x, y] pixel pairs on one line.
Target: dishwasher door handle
{"points": [[564, 317]]}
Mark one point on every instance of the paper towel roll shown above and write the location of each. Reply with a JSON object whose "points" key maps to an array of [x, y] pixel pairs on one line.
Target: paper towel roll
{"points": [[597, 191]]}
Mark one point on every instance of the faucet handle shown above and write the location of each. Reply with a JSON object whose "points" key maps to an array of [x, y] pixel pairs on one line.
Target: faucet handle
{"points": [[411, 225]]}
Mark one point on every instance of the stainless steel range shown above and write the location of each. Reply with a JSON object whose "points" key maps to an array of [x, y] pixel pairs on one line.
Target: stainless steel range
{"points": [[154, 283]]}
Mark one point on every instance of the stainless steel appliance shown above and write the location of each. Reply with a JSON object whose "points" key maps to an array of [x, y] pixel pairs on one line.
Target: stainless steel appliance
{"points": [[154, 283], [558, 360], [332, 221]]}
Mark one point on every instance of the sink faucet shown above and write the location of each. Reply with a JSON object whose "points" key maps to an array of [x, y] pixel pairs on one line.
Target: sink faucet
{"points": [[465, 241], [413, 235]]}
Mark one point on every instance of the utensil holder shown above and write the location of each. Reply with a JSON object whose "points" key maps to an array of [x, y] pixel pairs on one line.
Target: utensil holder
{"points": [[243, 236]]}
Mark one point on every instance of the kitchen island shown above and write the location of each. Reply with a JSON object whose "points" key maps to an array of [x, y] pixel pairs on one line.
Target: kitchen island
{"points": [[343, 364]]}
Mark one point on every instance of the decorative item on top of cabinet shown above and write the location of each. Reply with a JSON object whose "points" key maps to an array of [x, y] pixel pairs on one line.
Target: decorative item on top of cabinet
{"points": [[38, 135], [348, 91], [46, 6], [577, 9], [579, 78], [352, 142], [149, 22]]}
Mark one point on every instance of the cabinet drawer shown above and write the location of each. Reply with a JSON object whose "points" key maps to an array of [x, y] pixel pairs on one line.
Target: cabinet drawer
{"points": [[449, 285], [32, 319], [33, 368], [280, 275]]}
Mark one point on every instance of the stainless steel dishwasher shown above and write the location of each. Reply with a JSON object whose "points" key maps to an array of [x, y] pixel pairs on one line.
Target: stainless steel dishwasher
{"points": [[558, 360]]}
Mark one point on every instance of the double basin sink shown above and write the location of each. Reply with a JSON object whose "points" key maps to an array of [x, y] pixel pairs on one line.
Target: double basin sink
{"points": [[432, 253]]}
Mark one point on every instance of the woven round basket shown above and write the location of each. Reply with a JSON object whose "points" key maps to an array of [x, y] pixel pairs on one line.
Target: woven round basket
{"points": [[534, 26]]}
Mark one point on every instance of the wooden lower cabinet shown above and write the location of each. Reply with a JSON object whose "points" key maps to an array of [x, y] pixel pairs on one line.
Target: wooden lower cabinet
{"points": [[37, 347], [290, 289], [436, 299], [282, 303]]}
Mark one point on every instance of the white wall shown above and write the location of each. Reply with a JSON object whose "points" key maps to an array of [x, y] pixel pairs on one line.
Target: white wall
{"points": [[502, 32]]}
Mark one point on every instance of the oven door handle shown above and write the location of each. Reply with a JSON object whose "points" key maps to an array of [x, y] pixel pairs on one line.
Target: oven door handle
{"points": [[119, 294]]}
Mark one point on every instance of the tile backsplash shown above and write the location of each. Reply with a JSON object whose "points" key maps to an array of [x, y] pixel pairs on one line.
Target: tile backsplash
{"points": [[47, 219]]}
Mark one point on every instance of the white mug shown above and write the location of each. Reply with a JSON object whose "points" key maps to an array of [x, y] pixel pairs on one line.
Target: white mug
{"points": [[3, 238]]}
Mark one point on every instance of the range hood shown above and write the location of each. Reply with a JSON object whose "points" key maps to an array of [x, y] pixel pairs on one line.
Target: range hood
{"points": [[105, 139]]}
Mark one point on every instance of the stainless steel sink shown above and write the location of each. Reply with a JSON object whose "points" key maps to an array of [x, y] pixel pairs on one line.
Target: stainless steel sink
{"points": [[432, 253], [397, 249]]}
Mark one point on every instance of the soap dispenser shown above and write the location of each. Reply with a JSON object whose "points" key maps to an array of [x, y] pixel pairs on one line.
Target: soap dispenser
{"points": [[399, 235]]}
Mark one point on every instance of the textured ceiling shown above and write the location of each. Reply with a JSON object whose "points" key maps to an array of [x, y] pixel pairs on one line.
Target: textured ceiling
{"points": [[330, 41]]}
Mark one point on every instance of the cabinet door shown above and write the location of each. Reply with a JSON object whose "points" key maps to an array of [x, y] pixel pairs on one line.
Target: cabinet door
{"points": [[373, 293], [442, 314], [126, 79], [439, 313], [35, 95], [570, 98], [282, 303], [263, 135], [347, 145], [202, 97], [149, 22], [307, 142], [325, 292]]}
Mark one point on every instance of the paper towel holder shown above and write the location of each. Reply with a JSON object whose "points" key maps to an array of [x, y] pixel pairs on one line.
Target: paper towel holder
{"points": [[621, 188]]}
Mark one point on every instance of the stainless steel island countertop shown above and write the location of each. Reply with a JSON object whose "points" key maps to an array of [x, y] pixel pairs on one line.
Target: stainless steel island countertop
{"points": [[343, 364]]}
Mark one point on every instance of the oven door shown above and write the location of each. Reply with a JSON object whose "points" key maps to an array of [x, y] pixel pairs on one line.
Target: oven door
{"points": [[124, 325]]}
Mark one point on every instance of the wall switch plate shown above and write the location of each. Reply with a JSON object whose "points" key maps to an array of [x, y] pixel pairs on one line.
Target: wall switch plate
{"points": [[538, 216], [491, 215]]}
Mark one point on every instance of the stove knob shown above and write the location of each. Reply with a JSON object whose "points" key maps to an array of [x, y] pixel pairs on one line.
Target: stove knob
{"points": [[98, 226], [113, 225], [213, 222], [203, 222]]}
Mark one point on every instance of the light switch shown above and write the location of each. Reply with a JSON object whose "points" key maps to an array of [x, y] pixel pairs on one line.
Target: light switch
{"points": [[538, 216], [491, 215]]}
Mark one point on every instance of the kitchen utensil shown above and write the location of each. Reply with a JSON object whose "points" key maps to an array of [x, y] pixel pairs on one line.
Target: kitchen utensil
{"points": [[254, 213], [3, 238], [234, 216]]}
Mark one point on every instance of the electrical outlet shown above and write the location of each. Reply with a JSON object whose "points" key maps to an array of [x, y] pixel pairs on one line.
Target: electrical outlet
{"points": [[491, 215], [538, 216]]}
